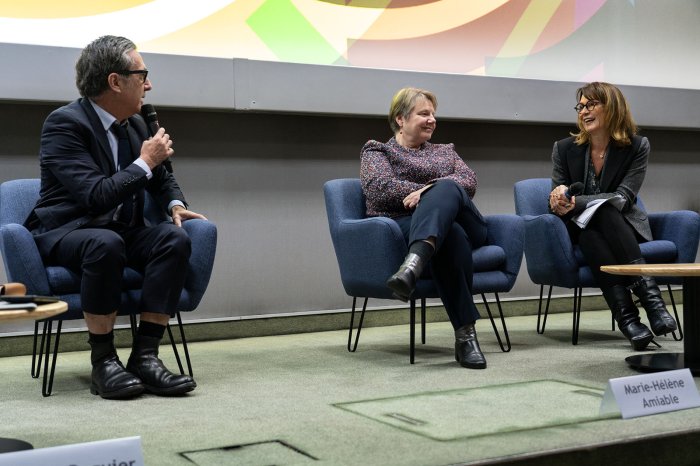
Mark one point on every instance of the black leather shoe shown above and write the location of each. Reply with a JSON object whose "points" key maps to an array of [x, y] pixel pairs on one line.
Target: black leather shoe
{"points": [[157, 379], [403, 282], [467, 351], [111, 381]]}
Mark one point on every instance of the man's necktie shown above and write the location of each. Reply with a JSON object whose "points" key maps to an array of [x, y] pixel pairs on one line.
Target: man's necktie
{"points": [[124, 157]]}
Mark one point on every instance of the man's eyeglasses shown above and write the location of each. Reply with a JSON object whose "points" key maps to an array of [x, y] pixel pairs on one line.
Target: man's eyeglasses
{"points": [[144, 73], [590, 105]]}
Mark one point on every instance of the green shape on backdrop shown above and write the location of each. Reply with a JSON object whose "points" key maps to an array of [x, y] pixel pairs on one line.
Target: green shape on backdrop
{"points": [[290, 36]]}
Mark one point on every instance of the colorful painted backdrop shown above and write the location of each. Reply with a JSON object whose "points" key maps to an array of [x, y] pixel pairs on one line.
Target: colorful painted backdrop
{"points": [[577, 40]]}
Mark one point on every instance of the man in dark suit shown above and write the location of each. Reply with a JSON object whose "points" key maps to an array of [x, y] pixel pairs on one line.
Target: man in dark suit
{"points": [[97, 161]]}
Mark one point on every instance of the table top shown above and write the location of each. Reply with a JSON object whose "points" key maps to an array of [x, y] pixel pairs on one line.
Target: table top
{"points": [[41, 312], [675, 270]]}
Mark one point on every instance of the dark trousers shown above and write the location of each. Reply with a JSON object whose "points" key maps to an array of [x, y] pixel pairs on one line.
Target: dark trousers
{"points": [[161, 253], [607, 240], [446, 213]]}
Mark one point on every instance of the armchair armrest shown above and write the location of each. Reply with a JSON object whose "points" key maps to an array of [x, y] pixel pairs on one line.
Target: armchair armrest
{"points": [[508, 232], [203, 235], [681, 227], [368, 250], [549, 253], [22, 260]]}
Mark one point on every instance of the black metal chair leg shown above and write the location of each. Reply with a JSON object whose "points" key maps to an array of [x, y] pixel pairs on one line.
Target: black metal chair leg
{"points": [[185, 348], [675, 312], [174, 345], [506, 348], [576, 315], [422, 320], [546, 310], [413, 331], [134, 327], [47, 385], [351, 347], [35, 368]]}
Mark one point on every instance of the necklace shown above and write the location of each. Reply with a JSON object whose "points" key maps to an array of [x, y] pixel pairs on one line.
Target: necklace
{"points": [[602, 153]]}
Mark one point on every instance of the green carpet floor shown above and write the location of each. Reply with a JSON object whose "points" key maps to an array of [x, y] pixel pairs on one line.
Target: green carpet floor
{"points": [[304, 399]]}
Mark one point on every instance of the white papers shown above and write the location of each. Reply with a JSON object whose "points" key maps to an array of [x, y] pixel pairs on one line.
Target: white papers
{"points": [[584, 217], [5, 306]]}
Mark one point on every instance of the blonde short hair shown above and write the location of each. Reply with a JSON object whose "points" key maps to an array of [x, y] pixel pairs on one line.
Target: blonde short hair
{"points": [[403, 102], [618, 119]]}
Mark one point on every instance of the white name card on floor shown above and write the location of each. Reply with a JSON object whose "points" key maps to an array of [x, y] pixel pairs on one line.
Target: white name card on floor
{"points": [[658, 392], [116, 452]]}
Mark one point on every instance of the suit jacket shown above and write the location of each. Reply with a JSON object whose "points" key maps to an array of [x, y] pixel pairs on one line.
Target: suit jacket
{"points": [[80, 186], [622, 175]]}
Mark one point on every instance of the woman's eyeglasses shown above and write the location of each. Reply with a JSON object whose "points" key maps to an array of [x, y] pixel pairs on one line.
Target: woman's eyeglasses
{"points": [[590, 105]]}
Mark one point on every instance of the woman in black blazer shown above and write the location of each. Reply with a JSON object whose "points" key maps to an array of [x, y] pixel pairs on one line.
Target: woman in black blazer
{"points": [[607, 160]]}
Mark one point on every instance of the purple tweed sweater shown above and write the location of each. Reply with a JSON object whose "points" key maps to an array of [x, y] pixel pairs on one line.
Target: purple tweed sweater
{"points": [[389, 172]]}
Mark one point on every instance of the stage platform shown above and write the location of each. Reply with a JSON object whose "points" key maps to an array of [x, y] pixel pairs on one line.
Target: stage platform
{"points": [[304, 399]]}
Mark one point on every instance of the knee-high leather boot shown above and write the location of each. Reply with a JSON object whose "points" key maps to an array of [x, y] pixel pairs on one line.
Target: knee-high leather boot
{"points": [[626, 315], [649, 296]]}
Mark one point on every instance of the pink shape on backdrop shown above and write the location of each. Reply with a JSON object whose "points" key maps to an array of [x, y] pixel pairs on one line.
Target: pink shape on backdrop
{"points": [[584, 10], [596, 74]]}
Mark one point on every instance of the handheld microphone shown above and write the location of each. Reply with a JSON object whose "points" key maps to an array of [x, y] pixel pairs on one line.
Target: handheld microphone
{"points": [[574, 190], [148, 112]]}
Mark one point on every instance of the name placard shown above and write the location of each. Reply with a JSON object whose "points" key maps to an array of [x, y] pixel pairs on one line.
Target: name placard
{"points": [[658, 392], [116, 452]]}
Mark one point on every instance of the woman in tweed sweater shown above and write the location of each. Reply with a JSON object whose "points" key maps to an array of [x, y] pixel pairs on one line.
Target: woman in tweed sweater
{"points": [[427, 188], [609, 161]]}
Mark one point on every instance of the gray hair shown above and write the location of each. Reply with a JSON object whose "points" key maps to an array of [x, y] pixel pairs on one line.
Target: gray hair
{"points": [[100, 58]]}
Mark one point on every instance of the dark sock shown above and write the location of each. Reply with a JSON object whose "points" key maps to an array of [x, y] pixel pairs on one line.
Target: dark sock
{"points": [[102, 345], [423, 249], [150, 329]]}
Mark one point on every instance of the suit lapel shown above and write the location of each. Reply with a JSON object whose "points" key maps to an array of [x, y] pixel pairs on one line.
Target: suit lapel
{"points": [[106, 157], [615, 161], [575, 158]]}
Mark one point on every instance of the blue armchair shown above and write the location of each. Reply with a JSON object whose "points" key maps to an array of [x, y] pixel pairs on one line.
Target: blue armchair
{"points": [[554, 261], [370, 249], [24, 264]]}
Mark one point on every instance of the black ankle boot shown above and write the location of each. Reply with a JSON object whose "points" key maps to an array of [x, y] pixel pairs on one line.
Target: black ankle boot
{"points": [[145, 364], [467, 351], [650, 297], [626, 315], [403, 282]]}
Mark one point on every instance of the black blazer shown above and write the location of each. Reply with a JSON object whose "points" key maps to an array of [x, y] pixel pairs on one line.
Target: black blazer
{"points": [[623, 174], [80, 186]]}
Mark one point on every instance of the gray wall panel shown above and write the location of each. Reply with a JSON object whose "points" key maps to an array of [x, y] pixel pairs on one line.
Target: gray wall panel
{"points": [[43, 74]]}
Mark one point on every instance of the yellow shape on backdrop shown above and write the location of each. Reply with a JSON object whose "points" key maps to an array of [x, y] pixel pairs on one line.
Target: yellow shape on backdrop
{"points": [[338, 23], [529, 28], [223, 34], [64, 8], [431, 18]]}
